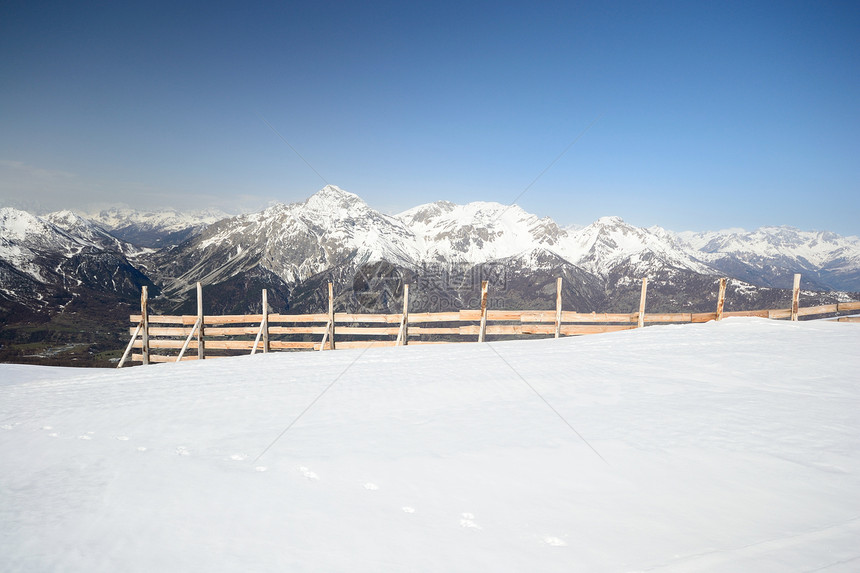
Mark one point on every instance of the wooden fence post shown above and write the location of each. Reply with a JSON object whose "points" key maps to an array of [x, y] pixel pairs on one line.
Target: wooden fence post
{"points": [[642, 303], [795, 297], [721, 299], [144, 320], [331, 313], [265, 325], [558, 307], [201, 351], [404, 322], [483, 331]]}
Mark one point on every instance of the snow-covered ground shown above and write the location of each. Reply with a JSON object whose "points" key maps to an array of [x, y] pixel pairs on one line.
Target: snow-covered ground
{"points": [[731, 446]]}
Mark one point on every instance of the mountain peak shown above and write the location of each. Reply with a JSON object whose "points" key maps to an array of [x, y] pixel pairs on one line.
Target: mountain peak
{"points": [[333, 197], [612, 220]]}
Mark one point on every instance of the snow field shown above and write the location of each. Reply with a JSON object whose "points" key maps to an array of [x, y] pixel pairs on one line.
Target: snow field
{"points": [[731, 446]]}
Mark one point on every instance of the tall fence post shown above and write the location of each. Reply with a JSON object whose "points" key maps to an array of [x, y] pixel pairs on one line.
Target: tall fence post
{"points": [[483, 330], [721, 299], [642, 303], [795, 297], [144, 320], [265, 321], [404, 331], [201, 351], [331, 314], [558, 307]]}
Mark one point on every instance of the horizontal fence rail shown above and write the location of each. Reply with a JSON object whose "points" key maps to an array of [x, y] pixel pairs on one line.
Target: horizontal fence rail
{"points": [[172, 338]]}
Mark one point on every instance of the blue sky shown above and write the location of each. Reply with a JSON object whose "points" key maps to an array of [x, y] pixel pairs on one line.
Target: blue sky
{"points": [[702, 115]]}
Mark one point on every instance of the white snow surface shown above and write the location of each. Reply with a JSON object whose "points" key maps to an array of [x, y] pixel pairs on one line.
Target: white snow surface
{"points": [[730, 446]]}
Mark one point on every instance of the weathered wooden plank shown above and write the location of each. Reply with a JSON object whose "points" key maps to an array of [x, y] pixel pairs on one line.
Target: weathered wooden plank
{"points": [[188, 319], [795, 297], [721, 299], [482, 333], [558, 307], [416, 330], [849, 319], [470, 330], [343, 317], [363, 343], [419, 317], [411, 342], [779, 313], [846, 306], [368, 330], [144, 324], [469, 315], [290, 318], [746, 313], [211, 344], [506, 314], [591, 317], [297, 329], [509, 329], [201, 323], [821, 309], [331, 317], [704, 316], [285, 344], [232, 319], [541, 316], [575, 329], [161, 358], [669, 317], [130, 343], [641, 314]]}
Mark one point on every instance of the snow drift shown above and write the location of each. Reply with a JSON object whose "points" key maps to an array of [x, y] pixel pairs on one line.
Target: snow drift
{"points": [[731, 446]]}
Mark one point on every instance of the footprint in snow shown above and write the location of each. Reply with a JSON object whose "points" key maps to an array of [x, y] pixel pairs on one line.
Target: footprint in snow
{"points": [[122, 438], [308, 473], [555, 541], [407, 509], [238, 457], [183, 451], [47, 427], [468, 521], [85, 437], [260, 468], [371, 486], [141, 448]]}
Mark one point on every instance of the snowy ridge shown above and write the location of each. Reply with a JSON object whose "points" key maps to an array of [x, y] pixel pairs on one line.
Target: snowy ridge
{"points": [[441, 458], [163, 219]]}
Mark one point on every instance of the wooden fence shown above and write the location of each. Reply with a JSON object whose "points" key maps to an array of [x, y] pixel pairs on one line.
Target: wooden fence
{"points": [[326, 331]]}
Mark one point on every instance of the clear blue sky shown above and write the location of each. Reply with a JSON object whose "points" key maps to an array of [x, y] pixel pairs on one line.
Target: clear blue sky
{"points": [[711, 115]]}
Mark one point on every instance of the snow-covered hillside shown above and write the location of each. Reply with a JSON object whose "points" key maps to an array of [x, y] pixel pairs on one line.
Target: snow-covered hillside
{"points": [[731, 446]]}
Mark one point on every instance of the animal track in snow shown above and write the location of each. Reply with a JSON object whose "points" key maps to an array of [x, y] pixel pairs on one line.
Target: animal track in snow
{"points": [[468, 521], [308, 473]]}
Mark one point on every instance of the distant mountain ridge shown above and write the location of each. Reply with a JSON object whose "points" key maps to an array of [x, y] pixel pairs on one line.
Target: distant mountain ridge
{"points": [[64, 263]]}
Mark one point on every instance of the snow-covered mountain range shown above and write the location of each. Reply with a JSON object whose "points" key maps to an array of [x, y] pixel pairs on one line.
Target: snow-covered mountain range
{"points": [[333, 233]]}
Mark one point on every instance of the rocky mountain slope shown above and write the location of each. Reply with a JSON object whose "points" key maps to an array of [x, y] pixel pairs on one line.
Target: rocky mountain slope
{"points": [[61, 261]]}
